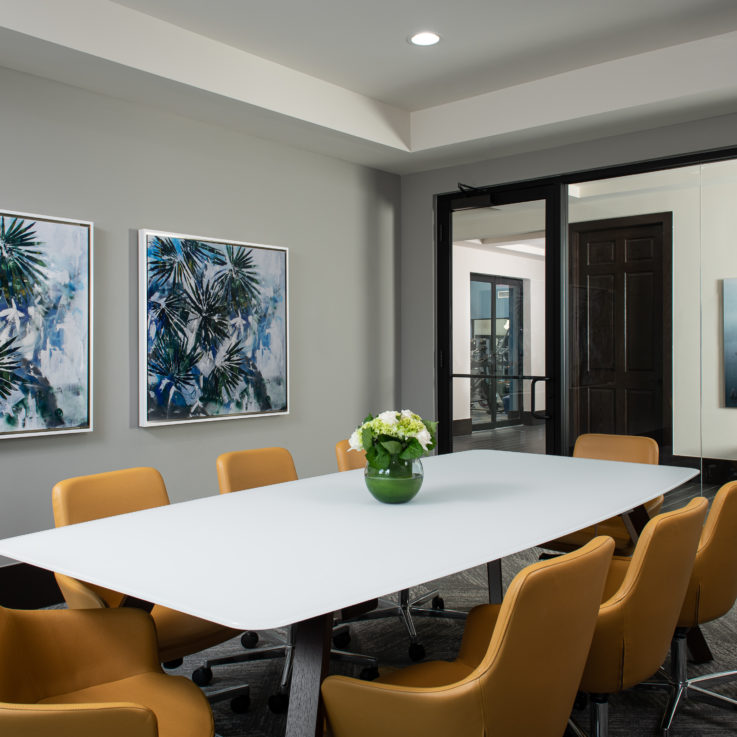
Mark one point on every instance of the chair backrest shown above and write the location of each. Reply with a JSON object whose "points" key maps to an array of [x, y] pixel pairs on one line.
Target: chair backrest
{"points": [[603, 447], [247, 469], [348, 459], [712, 590], [540, 642], [636, 624], [627, 448], [84, 498]]}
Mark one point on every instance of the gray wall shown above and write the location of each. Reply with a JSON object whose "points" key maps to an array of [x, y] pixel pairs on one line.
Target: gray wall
{"points": [[70, 153], [417, 256]]}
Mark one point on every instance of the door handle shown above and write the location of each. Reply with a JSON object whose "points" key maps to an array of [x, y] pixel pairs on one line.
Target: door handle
{"points": [[538, 415]]}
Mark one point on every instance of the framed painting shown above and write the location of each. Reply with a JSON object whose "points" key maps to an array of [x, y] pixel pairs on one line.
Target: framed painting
{"points": [[213, 329], [45, 325]]}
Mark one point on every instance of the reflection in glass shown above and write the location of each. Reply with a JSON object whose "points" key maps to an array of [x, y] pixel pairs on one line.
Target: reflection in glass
{"points": [[496, 350]]}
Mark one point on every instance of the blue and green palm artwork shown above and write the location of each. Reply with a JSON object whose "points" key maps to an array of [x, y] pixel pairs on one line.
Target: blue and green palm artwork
{"points": [[214, 340], [45, 364]]}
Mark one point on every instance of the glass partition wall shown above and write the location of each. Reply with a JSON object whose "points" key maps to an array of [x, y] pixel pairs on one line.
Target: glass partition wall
{"points": [[649, 313], [652, 265]]}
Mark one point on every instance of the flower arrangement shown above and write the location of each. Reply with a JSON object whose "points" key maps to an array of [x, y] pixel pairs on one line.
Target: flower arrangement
{"points": [[393, 436]]}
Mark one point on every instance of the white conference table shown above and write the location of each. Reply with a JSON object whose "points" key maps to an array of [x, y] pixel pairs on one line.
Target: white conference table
{"points": [[299, 551]]}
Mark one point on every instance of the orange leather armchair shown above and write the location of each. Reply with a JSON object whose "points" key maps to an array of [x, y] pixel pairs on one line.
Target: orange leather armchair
{"points": [[405, 608], [625, 448], [711, 593], [74, 673], [640, 608], [85, 498], [534, 642], [247, 469]]}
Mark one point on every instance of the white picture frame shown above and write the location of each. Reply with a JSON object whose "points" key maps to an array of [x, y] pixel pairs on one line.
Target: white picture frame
{"points": [[213, 329]]}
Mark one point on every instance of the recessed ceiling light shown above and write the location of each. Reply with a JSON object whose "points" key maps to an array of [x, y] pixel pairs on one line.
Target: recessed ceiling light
{"points": [[424, 38]]}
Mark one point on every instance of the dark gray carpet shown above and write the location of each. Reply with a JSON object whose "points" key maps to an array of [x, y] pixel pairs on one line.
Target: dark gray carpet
{"points": [[632, 713]]}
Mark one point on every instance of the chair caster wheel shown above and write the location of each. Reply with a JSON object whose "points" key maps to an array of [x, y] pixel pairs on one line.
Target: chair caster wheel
{"points": [[241, 704], [416, 652], [278, 703], [438, 603], [249, 639], [202, 676], [369, 673], [173, 663], [342, 639]]}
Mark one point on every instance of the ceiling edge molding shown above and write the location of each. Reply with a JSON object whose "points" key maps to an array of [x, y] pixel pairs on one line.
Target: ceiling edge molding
{"points": [[132, 39]]}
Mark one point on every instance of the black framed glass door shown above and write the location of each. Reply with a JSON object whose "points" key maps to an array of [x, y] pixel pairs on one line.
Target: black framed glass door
{"points": [[499, 319]]}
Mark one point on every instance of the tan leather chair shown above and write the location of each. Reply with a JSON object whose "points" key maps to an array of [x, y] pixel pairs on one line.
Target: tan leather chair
{"points": [[405, 608], [516, 673], [602, 447], [642, 600], [349, 460], [85, 498], [247, 469], [75, 673], [711, 593]]}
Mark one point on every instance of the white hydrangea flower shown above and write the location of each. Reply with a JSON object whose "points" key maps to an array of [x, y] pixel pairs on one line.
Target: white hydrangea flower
{"points": [[408, 413], [389, 417], [424, 438], [355, 441]]}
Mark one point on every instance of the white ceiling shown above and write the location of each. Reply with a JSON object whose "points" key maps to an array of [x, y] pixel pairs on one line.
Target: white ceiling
{"points": [[338, 76], [486, 45]]}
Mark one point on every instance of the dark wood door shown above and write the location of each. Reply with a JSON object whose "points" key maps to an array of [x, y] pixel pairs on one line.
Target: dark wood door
{"points": [[621, 327]]}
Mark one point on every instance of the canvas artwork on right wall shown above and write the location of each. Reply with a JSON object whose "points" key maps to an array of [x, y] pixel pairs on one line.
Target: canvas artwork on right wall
{"points": [[729, 301]]}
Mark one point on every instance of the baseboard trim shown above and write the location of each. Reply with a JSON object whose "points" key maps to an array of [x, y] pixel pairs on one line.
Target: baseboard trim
{"points": [[462, 427], [23, 586]]}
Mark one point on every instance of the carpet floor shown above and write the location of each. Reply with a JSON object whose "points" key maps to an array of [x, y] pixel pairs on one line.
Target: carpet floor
{"points": [[632, 714]]}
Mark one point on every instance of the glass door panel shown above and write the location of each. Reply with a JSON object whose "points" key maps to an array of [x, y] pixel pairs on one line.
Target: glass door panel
{"points": [[499, 327]]}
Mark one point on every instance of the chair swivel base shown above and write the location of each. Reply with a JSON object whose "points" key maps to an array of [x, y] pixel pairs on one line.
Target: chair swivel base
{"points": [[279, 701], [683, 688], [407, 608], [240, 697], [599, 718]]}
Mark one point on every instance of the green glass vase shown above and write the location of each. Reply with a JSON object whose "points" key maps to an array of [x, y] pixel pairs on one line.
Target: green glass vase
{"points": [[396, 484]]}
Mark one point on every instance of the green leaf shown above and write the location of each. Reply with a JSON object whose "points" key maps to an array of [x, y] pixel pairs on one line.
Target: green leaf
{"points": [[371, 456], [393, 447], [367, 438], [381, 459], [412, 451]]}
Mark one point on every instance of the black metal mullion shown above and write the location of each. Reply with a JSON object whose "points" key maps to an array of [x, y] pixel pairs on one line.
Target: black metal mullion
{"points": [[444, 321]]}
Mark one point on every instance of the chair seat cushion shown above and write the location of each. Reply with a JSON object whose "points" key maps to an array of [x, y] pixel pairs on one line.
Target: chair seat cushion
{"points": [[180, 707]]}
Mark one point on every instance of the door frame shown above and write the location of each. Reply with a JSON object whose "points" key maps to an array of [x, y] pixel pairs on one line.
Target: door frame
{"points": [[556, 262]]}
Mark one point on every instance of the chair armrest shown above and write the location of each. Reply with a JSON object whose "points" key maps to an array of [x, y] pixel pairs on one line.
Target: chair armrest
{"points": [[604, 668], [78, 595], [617, 571], [365, 709], [75, 648], [120, 719]]}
